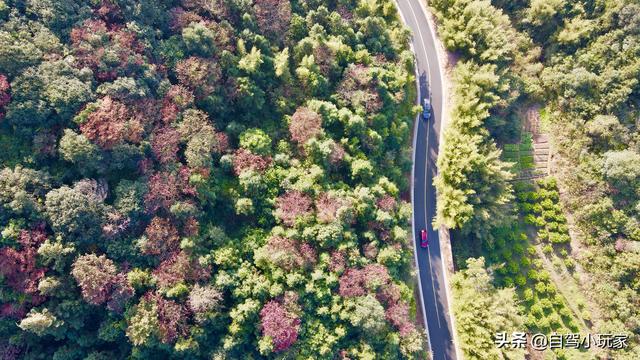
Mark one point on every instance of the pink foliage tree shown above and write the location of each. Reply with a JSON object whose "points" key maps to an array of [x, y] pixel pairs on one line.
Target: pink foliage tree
{"points": [[305, 124], [100, 281], [164, 191], [177, 99], [180, 267], [386, 203], [359, 282], [279, 324], [109, 12], [288, 253], [328, 206], [398, 315], [181, 18], [273, 17], [19, 267], [337, 262], [165, 145], [245, 160], [162, 237], [198, 74], [352, 283], [5, 96], [112, 123], [96, 45], [9, 351], [172, 318], [291, 205]]}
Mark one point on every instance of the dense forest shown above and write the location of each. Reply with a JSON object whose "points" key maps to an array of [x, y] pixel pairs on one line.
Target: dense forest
{"points": [[205, 179], [577, 62]]}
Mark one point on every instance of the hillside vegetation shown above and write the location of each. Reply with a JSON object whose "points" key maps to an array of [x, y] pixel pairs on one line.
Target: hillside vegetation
{"points": [[205, 180], [579, 61]]}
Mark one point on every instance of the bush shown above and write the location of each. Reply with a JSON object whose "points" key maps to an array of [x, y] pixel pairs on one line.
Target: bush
{"points": [[565, 312], [507, 281], [536, 309], [546, 304], [527, 295], [513, 267], [544, 275], [543, 324], [547, 249], [555, 321], [518, 249]]}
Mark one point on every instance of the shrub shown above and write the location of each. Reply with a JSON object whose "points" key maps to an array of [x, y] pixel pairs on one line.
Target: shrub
{"points": [[555, 321], [527, 295], [546, 304], [513, 267], [570, 264], [536, 309]]}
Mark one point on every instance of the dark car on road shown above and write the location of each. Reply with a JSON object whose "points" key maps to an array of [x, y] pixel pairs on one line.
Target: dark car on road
{"points": [[426, 109], [424, 241]]}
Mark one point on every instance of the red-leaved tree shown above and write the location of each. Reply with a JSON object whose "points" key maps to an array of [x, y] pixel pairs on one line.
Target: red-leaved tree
{"points": [[328, 206], [172, 318], [181, 18], [245, 160], [97, 45], [291, 205], [305, 124], [5, 96], [273, 17], [359, 282], [100, 281], [398, 315], [177, 99], [162, 238], [198, 74], [112, 123], [164, 191], [279, 324], [178, 268], [19, 268], [165, 144], [386, 203], [289, 254]]}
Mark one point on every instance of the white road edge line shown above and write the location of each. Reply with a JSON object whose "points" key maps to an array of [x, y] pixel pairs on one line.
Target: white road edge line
{"points": [[413, 162]]}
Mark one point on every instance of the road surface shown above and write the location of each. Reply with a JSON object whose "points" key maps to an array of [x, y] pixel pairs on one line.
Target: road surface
{"points": [[426, 135]]}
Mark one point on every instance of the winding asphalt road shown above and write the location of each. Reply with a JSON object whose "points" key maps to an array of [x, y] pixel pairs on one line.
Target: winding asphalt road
{"points": [[432, 277]]}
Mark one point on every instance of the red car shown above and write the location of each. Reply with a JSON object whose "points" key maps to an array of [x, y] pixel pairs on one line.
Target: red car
{"points": [[424, 241]]}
